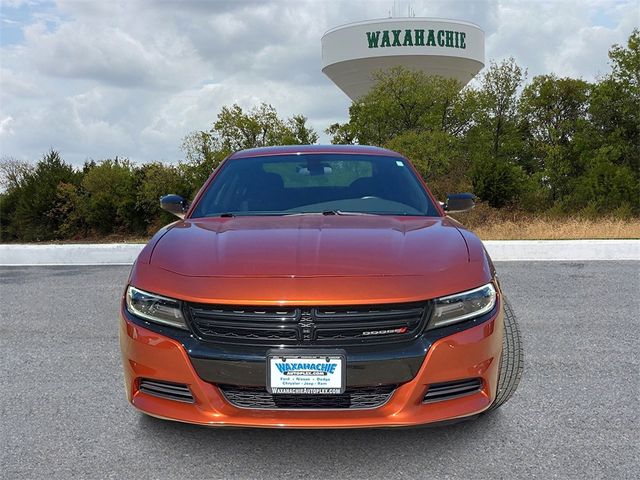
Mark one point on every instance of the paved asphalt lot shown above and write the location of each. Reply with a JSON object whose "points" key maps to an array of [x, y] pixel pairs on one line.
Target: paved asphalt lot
{"points": [[64, 412]]}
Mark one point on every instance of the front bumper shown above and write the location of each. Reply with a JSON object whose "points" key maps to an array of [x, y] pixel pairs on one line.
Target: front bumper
{"points": [[470, 353]]}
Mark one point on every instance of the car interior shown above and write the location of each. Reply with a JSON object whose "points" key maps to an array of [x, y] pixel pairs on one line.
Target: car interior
{"points": [[290, 187]]}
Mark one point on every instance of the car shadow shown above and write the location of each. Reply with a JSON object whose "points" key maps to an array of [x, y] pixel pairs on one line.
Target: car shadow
{"points": [[303, 448]]}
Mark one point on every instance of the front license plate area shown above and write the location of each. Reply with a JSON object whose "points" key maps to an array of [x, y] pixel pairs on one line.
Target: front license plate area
{"points": [[306, 373]]}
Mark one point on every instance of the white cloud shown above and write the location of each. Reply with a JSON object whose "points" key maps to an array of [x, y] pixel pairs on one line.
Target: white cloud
{"points": [[111, 55], [17, 84], [560, 36], [132, 77], [5, 126]]}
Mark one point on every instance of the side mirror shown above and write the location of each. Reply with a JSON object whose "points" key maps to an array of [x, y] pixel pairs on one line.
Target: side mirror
{"points": [[174, 204], [459, 202]]}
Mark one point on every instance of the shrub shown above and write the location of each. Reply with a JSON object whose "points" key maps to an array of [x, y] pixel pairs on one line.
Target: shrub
{"points": [[155, 180], [498, 182], [30, 215], [110, 188]]}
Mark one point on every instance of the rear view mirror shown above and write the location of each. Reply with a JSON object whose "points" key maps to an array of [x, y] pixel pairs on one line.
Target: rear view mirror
{"points": [[174, 204], [459, 202], [314, 170]]}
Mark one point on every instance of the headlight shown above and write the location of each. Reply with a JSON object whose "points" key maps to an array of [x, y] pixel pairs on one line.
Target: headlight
{"points": [[463, 306], [155, 308]]}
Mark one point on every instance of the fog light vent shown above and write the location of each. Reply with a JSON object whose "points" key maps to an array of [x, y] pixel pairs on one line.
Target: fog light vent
{"points": [[173, 391], [446, 391]]}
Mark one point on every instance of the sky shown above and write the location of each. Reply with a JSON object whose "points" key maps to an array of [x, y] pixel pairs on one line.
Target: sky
{"points": [[96, 79]]}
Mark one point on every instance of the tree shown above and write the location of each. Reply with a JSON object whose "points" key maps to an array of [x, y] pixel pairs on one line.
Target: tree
{"points": [[155, 180], [13, 173], [498, 106], [494, 143], [554, 108], [260, 127], [500, 183], [611, 141], [605, 186], [553, 113], [401, 101], [202, 157], [615, 104], [32, 216], [199, 148], [625, 63], [435, 155], [341, 133], [70, 207], [110, 188], [235, 129], [298, 133]]}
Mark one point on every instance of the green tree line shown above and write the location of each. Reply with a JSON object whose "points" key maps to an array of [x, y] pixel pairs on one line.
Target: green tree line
{"points": [[558, 145]]}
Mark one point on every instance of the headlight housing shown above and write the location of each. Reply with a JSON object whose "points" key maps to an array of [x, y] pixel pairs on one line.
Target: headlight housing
{"points": [[155, 308], [463, 306]]}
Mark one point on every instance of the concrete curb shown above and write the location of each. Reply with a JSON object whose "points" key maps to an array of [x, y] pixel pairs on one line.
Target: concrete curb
{"points": [[69, 254], [500, 251], [562, 250]]}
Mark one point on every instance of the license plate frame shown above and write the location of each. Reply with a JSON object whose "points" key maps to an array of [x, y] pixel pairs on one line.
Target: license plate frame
{"points": [[300, 383]]}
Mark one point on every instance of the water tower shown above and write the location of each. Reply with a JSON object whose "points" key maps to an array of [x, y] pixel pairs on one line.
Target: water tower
{"points": [[352, 53]]}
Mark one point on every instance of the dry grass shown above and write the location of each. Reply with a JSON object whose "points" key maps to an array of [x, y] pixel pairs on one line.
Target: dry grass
{"points": [[557, 229], [94, 238], [492, 224]]}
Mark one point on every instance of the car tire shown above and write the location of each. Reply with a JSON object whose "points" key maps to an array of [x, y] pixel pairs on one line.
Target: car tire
{"points": [[511, 360]]}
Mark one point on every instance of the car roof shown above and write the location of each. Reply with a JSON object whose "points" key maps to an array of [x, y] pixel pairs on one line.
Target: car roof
{"points": [[305, 149]]}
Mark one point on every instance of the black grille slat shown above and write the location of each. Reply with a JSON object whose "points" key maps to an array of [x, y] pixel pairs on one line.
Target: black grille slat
{"points": [[242, 325], [257, 335], [172, 391], [352, 398], [338, 315], [276, 326], [260, 315], [453, 390], [449, 390]]}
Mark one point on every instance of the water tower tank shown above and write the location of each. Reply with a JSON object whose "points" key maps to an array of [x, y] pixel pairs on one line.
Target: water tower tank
{"points": [[352, 53]]}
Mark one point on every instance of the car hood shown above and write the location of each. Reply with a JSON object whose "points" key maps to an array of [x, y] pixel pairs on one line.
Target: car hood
{"points": [[311, 246]]}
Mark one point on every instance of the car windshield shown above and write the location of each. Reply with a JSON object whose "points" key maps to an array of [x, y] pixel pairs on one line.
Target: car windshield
{"points": [[339, 184]]}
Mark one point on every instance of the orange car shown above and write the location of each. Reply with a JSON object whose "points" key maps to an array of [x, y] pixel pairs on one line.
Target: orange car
{"points": [[316, 286]]}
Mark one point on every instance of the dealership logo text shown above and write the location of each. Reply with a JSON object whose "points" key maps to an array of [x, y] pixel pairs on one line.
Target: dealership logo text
{"points": [[318, 367]]}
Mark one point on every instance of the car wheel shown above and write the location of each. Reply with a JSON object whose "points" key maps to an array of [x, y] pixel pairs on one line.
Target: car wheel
{"points": [[512, 359]]}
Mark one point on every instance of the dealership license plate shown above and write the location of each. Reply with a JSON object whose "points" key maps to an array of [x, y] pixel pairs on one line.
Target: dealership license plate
{"points": [[319, 373]]}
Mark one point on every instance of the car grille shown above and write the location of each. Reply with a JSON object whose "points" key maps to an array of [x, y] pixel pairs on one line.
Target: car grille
{"points": [[446, 391], [352, 398], [308, 325], [172, 391]]}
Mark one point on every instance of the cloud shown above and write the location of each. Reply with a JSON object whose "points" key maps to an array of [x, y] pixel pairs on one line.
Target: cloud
{"points": [[560, 37], [585, 52], [132, 77], [5, 126], [110, 55], [17, 85]]}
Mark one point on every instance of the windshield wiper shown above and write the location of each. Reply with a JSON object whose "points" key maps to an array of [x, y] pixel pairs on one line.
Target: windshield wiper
{"points": [[327, 213], [249, 214], [343, 212]]}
